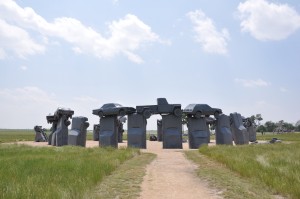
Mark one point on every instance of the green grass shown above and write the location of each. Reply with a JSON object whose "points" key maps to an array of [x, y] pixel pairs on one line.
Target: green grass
{"points": [[14, 135], [126, 181], [284, 136], [55, 172], [227, 183], [274, 165]]}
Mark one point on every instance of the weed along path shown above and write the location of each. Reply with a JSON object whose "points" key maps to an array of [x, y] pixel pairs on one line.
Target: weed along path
{"points": [[171, 175]]}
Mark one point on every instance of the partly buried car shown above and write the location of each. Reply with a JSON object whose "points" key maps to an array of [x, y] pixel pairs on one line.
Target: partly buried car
{"points": [[113, 109], [199, 110]]}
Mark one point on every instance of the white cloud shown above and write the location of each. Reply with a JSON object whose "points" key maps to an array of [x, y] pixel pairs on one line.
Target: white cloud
{"points": [[17, 41], [210, 39], [252, 83], [126, 35], [282, 89], [268, 21]]}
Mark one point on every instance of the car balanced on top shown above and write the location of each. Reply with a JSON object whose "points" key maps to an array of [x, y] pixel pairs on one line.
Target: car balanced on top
{"points": [[200, 110], [162, 107], [113, 109]]}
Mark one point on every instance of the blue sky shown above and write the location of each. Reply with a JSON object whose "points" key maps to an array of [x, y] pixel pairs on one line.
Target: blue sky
{"points": [[240, 56]]}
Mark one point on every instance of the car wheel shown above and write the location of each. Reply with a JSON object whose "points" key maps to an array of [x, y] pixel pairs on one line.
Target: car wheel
{"points": [[100, 113], [198, 114], [122, 113], [147, 113], [67, 122], [216, 114], [177, 112]]}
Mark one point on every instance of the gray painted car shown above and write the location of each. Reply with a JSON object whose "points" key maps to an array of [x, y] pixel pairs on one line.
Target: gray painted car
{"points": [[113, 109], [200, 110], [162, 107]]}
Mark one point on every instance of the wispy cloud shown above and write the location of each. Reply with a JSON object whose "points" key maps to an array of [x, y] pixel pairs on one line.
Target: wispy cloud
{"points": [[252, 83], [283, 89], [126, 35], [268, 21], [211, 40], [17, 41]]}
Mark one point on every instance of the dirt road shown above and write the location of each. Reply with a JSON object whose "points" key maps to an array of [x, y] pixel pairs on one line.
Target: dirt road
{"points": [[169, 176]]}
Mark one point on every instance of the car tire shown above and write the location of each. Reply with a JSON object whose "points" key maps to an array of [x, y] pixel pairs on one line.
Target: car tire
{"points": [[177, 112], [67, 122], [216, 114], [147, 113], [198, 114], [122, 113], [100, 113]]}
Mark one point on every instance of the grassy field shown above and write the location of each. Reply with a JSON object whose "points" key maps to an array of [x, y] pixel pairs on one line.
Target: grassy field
{"points": [[56, 172], [14, 135], [227, 183], [284, 136], [275, 166]]}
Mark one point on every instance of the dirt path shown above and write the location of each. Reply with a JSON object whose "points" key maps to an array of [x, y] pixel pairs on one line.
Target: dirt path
{"points": [[171, 175]]}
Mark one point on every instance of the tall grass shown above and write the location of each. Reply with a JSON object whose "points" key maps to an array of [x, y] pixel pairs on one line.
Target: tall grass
{"points": [[276, 165], [64, 172], [14, 135], [285, 136]]}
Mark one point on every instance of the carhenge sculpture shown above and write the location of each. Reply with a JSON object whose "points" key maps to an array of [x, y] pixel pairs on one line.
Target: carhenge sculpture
{"points": [[239, 132], [159, 130], [77, 134], [250, 129], [198, 131], [136, 130], [52, 120], [96, 130], [59, 137], [223, 131], [40, 135], [171, 122], [108, 130]]}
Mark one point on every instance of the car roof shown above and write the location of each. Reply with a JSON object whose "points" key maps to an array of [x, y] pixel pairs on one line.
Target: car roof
{"points": [[111, 105], [190, 106]]}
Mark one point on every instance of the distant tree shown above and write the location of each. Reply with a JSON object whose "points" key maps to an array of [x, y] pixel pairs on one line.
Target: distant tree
{"points": [[297, 126], [184, 118], [270, 126], [255, 119], [261, 128], [183, 121], [288, 126]]}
